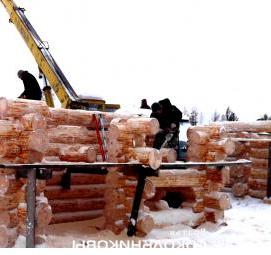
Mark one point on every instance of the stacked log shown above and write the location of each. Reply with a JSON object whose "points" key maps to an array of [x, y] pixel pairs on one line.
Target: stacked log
{"points": [[127, 143], [23, 140], [73, 138], [257, 181], [250, 145], [119, 196], [210, 144]]}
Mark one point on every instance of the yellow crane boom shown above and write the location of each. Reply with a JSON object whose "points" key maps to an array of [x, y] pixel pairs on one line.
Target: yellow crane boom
{"points": [[48, 66]]}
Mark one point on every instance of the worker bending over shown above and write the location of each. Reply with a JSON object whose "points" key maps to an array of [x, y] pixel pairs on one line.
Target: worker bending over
{"points": [[169, 117], [31, 86]]}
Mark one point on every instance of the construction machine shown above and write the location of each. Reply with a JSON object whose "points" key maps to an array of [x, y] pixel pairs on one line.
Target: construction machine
{"points": [[51, 73]]}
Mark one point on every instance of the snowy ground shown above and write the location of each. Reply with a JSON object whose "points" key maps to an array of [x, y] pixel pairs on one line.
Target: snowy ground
{"points": [[248, 223]]}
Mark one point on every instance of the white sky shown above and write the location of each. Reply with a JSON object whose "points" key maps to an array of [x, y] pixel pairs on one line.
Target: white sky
{"points": [[207, 54]]}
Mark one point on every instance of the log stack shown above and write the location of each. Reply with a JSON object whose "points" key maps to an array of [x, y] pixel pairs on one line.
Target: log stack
{"points": [[73, 138], [127, 143], [23, 140], [210, 144], [249, 145]]}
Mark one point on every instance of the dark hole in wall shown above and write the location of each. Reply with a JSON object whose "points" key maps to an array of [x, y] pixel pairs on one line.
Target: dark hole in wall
{"points": [[174, 199]]}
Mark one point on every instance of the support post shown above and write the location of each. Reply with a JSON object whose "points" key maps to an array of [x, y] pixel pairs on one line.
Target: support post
{"points": [[31, 208], [136, 203]]}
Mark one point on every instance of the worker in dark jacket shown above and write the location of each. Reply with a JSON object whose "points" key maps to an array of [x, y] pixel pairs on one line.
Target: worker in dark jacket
{"points": [[144, 104], [31, 86], [170, 117], [171, 114]]}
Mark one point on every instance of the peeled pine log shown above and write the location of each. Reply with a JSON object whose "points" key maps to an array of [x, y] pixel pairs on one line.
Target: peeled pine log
{"points": [[19, 107], [215, 156], [118, 180], [13, 184], [50, 158], [30, 157], [54, 149], [146, 155], [72, 134], [179, 178], [168, 155], [259, 153], [259, 163], [76, 204], [237, 126], [75, 153], [147, 126], [239, 171], [34, 140], [216, 175], [33, 121], [75, 216], [4, 183], [239, 189], [145, 224], [20, 195], [7, 202], [22, 146], [116, 227], [10, 129], [257, 184], [217, 200], [257, 193], [76, 191], [259, 173], [43, 214], [197, 206], [3, 236], [214, 132], [213, 151], [225, 145], [13, 218], [225, 172], [148, 193], [259, 143], [240, 149], [12, 236], [114, 212], [4, 218], [60, 116], [112, 195], [213, 215], [267, 200], [77, 178], [197, 151], [198, 137]]}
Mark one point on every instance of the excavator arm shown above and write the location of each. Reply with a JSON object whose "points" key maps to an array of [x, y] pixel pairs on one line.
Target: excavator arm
{"points": [[48, 66]]}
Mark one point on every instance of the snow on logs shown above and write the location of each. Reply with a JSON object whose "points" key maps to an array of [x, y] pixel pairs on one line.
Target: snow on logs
{"points": [[238, 126]]}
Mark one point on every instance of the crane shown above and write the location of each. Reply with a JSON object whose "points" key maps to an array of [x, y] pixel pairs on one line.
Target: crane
{"points": [[50, 71]]}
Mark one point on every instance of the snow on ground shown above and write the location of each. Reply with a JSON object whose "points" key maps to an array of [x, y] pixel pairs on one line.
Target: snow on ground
{"points": [[247, 224]]}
